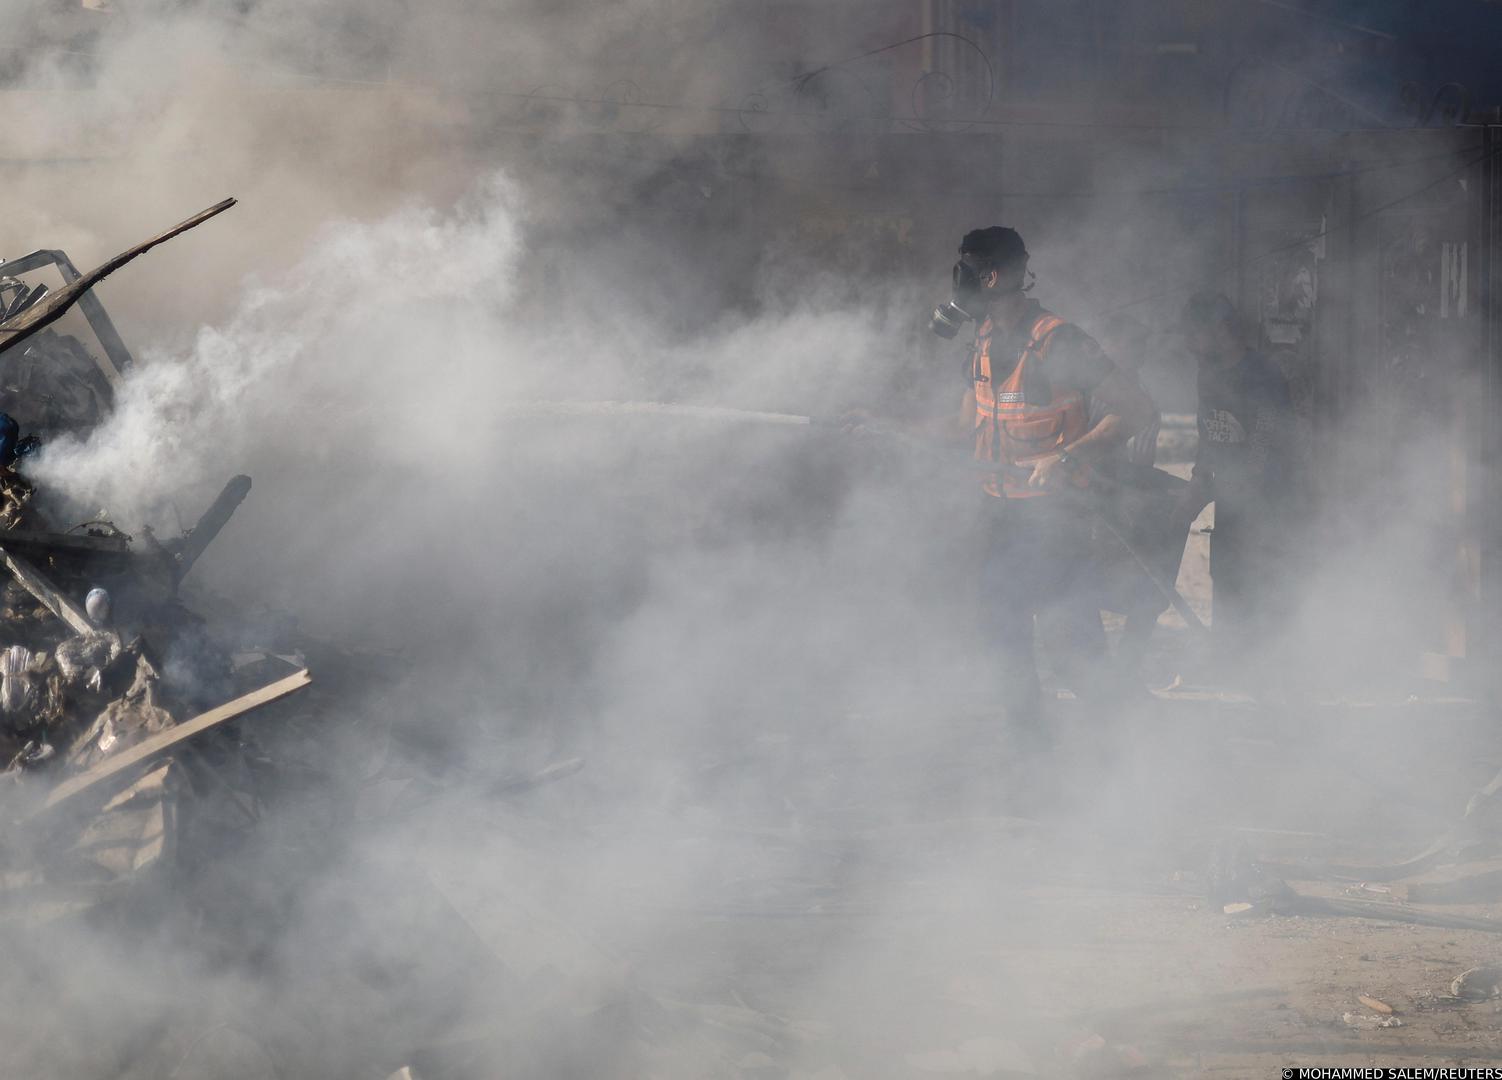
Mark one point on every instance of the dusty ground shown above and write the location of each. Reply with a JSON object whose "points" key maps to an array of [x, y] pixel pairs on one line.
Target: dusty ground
{"points": [[904, 896], [897, 898], [1012, 933], [1033, 943]]}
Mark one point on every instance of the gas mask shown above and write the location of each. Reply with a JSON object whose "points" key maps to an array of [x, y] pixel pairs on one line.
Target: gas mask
{"points": [[968, 299], [968, 296]]}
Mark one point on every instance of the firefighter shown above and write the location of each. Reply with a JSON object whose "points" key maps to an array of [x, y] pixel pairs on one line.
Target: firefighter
{"points": [[1043, 408]]}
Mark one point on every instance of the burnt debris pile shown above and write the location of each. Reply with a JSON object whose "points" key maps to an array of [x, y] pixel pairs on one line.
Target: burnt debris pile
{"points": [[110, 687]]}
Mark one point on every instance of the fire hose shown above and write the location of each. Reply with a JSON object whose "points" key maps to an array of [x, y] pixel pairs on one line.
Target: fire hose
{"points": [[1090, 503]]}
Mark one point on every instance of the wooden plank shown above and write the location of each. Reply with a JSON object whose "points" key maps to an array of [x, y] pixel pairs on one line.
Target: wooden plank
{"points": [[155, 745], [47, 594]]}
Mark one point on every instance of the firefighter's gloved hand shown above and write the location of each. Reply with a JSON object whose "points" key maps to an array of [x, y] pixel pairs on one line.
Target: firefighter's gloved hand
{"points": [[1049, 471]]}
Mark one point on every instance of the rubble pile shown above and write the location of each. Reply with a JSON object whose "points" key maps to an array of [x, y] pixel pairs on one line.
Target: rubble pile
{"points": [[94, 731], [136, 811]]}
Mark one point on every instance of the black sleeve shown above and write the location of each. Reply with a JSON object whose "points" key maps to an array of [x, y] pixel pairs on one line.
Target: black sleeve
{"points": [[1271, 407], [1076, 361]]}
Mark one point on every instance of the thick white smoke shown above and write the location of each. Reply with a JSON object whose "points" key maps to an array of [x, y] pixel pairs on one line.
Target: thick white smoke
{"points": [[377, 345], [797, 795]]}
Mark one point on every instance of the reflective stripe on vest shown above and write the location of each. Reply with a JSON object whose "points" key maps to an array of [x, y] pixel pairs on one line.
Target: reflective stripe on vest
{"points": [[1010, 430]]}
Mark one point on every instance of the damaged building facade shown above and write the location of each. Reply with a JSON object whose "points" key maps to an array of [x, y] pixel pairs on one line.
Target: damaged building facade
{"points": [[1337, 181]]}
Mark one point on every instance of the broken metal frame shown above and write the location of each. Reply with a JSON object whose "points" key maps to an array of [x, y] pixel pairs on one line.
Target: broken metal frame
{"points": [[51, 307], [117, 359]]}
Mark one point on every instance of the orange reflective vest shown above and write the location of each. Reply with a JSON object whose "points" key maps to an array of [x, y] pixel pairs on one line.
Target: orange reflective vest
{"points": [[1010, 430]]}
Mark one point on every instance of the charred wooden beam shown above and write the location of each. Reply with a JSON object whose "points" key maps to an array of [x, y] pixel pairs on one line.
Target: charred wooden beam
{"points": [[213, 520], [47, 543], [47, 594]]}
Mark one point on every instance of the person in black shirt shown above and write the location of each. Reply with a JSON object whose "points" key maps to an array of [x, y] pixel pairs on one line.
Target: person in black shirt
{"points": [[1242, 465], [1141, 510]]}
